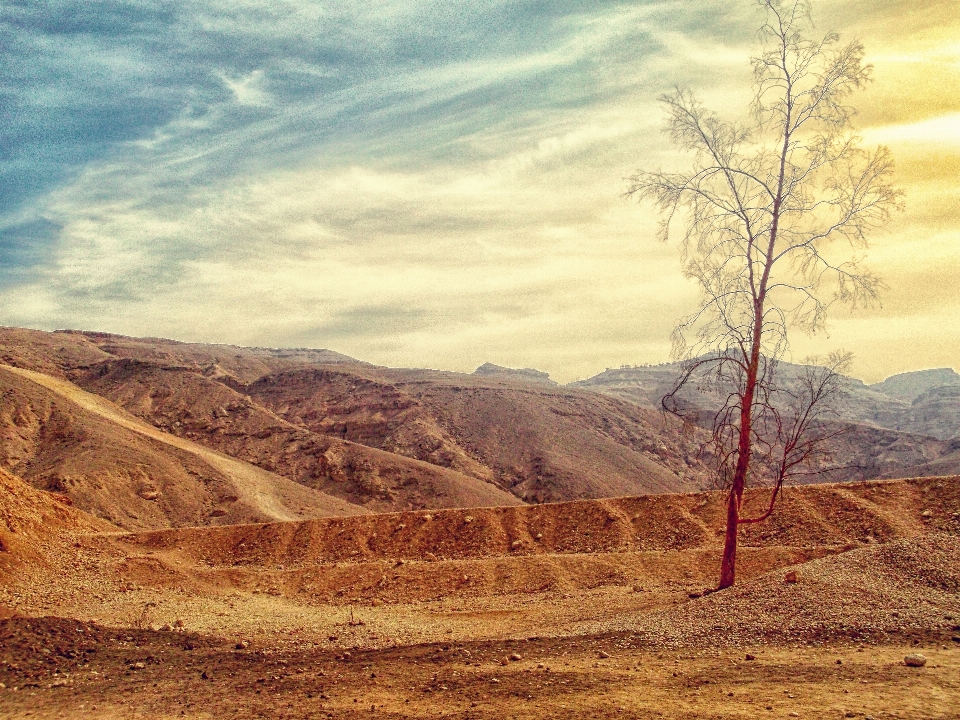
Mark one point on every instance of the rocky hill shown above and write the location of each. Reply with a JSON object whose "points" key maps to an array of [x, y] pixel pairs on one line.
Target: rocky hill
{"points": [[104, 461], [375, 438], [330, 429], [909, 386], [523, 374], [907, 425]]}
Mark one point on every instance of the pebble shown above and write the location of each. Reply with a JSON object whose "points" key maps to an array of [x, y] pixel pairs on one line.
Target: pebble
{"points": [[915, 660]]}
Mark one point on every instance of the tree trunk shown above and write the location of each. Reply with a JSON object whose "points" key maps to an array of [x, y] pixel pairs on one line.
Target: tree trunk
{"points": [[728, 566]]}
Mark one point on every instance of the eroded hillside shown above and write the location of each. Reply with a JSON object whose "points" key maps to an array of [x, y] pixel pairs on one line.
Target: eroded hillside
{"points": [[383, 439], [119, 468], [907, 425]]}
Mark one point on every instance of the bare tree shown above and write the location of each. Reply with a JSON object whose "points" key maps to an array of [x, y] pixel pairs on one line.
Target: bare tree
{"points": [[775, 210]]}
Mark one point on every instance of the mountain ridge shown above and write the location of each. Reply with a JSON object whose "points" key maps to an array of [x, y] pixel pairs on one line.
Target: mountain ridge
{"points": [[389, 439]]}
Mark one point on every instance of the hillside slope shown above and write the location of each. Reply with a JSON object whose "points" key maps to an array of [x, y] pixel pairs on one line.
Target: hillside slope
{"points": [[188, 404], [114, 466], [387, 439], [186, 390], [543, 444], [908, 432]]}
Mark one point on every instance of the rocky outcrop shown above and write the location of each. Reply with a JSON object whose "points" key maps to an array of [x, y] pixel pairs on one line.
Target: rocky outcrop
{"points": [[523, 374]]}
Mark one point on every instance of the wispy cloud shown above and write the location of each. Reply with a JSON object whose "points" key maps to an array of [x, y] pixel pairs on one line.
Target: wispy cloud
{"points": [[415, 182]]}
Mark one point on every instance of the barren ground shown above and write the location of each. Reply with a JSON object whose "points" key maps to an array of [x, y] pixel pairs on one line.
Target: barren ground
{"points": [[418, 614], [103, 673]]}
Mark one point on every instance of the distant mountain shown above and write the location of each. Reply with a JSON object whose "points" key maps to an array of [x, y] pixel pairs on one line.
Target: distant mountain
{"points": [[524, 374], [911, 385], [903, 426]]}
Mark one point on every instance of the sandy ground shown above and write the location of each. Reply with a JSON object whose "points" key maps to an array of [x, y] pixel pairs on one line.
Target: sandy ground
{"points": [[194, 624], [51, 670]]}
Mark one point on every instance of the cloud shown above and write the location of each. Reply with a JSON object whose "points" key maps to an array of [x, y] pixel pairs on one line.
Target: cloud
{"points": [[942, 131], [415, 182]]}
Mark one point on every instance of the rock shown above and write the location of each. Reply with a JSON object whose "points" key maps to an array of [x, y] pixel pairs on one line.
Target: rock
{"points": [[516, 657], [748, 656], [527, 374], [791, 577], [376, 602], [516, 543], [603, 654], [638, 588], [915, 660], [468, 519]]}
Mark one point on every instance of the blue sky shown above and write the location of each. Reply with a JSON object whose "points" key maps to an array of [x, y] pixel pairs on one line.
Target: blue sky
{"points": [[412, 183]]}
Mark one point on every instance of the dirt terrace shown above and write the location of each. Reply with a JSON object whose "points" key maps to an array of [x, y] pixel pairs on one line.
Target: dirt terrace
{"points": [[824, 515]]}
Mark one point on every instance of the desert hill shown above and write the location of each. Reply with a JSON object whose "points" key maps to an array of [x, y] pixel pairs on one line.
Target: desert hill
{"points": [[114, 466], [190, 402], [906, 425], [540, 443], [384, 439]]}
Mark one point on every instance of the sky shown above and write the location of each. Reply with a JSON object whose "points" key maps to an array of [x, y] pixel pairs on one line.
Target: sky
{"points": [[426, 183]]}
